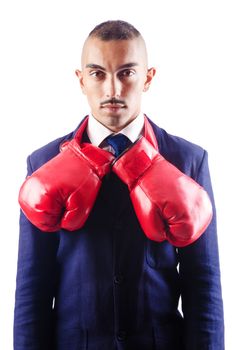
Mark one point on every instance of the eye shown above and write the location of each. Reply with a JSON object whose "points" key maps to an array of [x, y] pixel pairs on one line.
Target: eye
{"points": [[126, 73], [97, 74]]}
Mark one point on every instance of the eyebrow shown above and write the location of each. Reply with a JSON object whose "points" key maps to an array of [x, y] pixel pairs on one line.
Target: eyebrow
{"points": [[97, 66]]}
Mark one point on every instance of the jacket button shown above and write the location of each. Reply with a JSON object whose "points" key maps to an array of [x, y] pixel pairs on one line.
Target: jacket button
{"points": [[118, 279], [121, 335]]}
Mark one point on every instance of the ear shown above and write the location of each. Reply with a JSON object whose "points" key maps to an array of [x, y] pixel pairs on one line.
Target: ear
{"points": [[150, 74], [79, 74]]}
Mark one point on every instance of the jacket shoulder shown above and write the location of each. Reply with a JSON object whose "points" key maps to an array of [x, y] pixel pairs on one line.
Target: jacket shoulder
{"points": [[43, 154], [185, 155]]}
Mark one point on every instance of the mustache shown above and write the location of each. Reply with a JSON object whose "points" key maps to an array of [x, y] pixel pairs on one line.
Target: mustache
{"points": [[112, 101]]}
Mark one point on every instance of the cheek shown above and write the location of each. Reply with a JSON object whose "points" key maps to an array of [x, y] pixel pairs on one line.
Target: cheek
{"points": [[93, 95], [136, 86], [134, 91], [92, 90]]}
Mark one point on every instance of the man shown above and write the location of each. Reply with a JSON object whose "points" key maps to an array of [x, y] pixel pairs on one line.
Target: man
{"points": [[105, 283]]}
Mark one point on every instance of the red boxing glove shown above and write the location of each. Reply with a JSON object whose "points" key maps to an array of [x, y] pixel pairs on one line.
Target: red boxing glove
{"points": [[169, 204], [62, 192]]}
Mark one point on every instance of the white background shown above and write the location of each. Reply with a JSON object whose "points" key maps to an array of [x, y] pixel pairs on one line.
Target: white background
{"points": [[189, 43]]}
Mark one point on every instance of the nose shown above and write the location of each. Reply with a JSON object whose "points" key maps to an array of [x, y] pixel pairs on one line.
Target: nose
{"points": [[113, 87]]}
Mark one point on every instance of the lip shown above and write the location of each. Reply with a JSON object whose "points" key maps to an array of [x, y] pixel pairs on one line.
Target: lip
{"points": [[113, 106]]}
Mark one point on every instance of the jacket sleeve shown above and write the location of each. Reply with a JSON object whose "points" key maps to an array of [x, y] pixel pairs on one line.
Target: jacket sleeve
{"points": [[35, 286], [200, 280]]}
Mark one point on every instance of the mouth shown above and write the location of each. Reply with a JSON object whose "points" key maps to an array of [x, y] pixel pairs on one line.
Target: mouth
{"points": [[113, 104], [113, 107]]}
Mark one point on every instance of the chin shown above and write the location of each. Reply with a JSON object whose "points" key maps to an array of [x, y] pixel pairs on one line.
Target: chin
{"points": [[116, 124]]}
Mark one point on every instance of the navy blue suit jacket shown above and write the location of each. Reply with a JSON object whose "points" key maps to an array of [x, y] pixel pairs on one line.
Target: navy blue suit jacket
{"points": [[106, 286]]}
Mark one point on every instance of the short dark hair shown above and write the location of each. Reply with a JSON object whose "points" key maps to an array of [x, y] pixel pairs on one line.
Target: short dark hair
{"points": [[115, 30]]}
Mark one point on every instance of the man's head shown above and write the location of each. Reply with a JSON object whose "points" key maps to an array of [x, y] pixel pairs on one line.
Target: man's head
{"points": [[114, 73]]}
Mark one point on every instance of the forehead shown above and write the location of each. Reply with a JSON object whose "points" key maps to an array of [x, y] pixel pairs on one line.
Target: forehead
{"points": [[113, 53]]}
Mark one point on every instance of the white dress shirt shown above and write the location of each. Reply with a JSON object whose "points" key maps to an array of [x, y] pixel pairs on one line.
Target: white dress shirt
{"points": [[97, 132]]}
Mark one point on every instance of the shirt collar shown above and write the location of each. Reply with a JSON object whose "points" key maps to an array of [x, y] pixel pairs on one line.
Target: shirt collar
{"points": [[98, 132]]}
